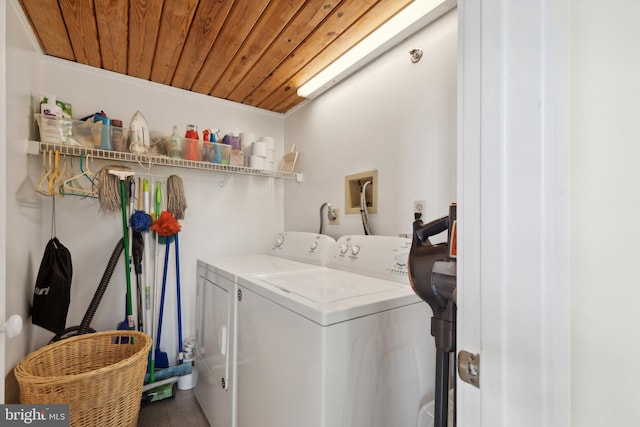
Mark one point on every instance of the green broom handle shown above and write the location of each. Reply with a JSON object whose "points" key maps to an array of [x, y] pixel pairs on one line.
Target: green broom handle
{"points": [[125, 228]]}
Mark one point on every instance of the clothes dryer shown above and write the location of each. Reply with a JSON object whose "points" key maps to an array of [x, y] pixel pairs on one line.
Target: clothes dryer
{"points": [[217, 299]]}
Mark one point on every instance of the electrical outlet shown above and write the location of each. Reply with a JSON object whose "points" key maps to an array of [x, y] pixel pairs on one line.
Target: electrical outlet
{"points": [[335, 221], [419, 206]]}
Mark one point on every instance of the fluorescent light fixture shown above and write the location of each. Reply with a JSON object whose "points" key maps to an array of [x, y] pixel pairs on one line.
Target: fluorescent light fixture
{"points": [[406, 22]]}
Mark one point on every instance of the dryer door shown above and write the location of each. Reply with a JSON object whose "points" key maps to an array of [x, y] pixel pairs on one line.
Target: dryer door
{"points": [[214, 359]]}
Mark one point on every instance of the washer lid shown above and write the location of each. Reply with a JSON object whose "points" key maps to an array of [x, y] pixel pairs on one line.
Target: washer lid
{"points": [[327, 296], [326, 286], [231, 267]]}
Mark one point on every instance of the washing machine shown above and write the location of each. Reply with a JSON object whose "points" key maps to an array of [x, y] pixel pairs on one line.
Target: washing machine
{"points": [[342, 346], [217, 298]]}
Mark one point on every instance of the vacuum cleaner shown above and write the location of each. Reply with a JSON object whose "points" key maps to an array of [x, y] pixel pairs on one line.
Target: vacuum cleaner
{"points": [[85, 324], [432, 274]]}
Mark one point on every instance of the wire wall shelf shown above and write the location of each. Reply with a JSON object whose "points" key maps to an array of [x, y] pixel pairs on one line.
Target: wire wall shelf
{"points": [[146, 159]]}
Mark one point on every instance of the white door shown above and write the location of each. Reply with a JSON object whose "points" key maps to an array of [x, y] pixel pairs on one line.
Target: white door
{"points": [[3, 186], [513, 287]]}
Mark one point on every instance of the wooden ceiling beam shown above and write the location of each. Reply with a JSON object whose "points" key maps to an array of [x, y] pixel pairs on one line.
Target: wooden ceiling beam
{"points": [[80, 20], [113, 31], [242, 18], [296, 32], [206, 26], [174, 27], [330, 29], [274, 19], [48, 26], [349, 38], [257, 52], [144, 23]]}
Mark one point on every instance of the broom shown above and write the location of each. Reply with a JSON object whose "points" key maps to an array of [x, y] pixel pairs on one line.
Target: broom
{"points": [[109, 179]]}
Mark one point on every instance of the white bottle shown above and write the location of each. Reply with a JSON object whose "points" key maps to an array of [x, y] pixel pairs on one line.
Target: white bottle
{"points": [[50, 108], [51, 127]]}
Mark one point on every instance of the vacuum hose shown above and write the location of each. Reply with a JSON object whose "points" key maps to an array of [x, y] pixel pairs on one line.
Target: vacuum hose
{"points": [[102, 287]]}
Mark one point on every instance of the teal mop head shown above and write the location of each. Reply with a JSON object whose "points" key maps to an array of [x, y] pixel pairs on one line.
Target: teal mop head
{"points": [[171, 371]]}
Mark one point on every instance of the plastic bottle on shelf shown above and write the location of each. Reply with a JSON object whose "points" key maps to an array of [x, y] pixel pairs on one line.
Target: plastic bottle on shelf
{"points": [[50, 123], [117, 138], [133, 140], [176, 149], [191, 143], [49, 107]]}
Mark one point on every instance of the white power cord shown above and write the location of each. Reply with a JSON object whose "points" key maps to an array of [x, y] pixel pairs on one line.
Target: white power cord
{"points": [[331, 215]]}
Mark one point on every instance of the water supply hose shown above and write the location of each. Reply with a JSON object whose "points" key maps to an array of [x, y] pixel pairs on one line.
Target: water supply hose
{"points": [[321, 217], [363, 209]]}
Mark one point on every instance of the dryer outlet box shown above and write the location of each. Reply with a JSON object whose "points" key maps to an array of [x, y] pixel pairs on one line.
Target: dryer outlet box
{"points": [[353, 189]]}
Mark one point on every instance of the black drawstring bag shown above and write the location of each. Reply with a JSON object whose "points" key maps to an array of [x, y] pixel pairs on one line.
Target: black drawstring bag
{"points": [[52, 293]]}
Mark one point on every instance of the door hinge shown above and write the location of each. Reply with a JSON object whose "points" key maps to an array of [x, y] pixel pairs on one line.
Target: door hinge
{"points": [[239, 295], [469, 368]]}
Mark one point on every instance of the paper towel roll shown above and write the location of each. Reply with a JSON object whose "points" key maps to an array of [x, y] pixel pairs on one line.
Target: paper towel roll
{"points": [[246, 139], [256, 162], [259, 148], [271, 142], [271, 156]]}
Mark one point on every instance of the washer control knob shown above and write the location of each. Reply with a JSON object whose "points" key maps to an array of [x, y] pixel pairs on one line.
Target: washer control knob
{"points": [[355, 250], [314, 246], [343, 249], [279, 241]]}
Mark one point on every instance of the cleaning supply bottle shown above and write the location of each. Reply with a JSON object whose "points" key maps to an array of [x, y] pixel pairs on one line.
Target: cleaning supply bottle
{"points": [[49, 107], [191, 149], [50, 123]]}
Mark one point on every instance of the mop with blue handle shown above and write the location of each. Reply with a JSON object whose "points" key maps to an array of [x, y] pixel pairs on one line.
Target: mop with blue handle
{"points": [[177, 205]]}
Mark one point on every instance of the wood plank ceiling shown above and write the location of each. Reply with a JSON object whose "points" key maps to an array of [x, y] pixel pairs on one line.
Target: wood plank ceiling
{"points": [[256, 52]]}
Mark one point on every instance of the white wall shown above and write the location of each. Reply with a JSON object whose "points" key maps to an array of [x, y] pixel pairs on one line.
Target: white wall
{"points": [[604, 211], [393, 116], [23, 206]]}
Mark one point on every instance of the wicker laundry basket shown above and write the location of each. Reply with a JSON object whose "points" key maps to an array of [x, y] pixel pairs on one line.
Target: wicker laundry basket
{"points": [[99, 377]]}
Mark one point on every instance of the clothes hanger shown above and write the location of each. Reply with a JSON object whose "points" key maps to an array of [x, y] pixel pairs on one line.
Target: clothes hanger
{"points": [[66, 171], [44, 176], [55, 173], [71, 186]]}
